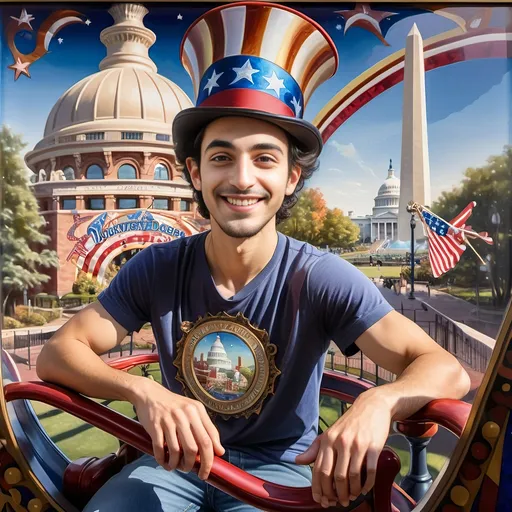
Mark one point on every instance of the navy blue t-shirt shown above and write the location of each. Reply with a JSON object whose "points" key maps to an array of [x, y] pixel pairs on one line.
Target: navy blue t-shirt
{"points": [[303, 298]]}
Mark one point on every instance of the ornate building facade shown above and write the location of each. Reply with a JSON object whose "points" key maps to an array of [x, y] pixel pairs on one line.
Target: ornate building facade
{"points": [[107, 145], [382, 224]]}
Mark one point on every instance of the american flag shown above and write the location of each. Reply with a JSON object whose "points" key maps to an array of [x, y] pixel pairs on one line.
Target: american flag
{"points": [[447, 241]]}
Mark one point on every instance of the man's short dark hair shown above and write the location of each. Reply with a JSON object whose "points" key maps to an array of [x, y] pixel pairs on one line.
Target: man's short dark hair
{"points": [[307, 161]]}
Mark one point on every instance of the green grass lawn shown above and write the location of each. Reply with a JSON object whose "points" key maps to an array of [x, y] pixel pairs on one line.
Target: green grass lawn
{"points": [[79, 439], [384, 271], [469, 294]]}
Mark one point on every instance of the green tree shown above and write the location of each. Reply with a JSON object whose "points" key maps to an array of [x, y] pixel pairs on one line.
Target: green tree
{"points": [[312, 222], [338, 230], [21, 226], [307, 217], [491, 187]]}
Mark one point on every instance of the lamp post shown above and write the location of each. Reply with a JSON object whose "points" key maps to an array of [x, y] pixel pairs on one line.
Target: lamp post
{"points": [[413, 226], [495, 221], [331, 353]]}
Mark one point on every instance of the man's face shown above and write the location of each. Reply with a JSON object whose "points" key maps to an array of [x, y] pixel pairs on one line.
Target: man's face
{"points": [[244, 174]]}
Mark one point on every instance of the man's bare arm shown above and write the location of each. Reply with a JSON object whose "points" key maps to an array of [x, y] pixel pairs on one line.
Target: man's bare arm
{"points": [[72, 356], [424, 370]]}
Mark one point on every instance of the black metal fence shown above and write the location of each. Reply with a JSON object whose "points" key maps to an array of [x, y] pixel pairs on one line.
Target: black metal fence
{"points": [[358, 366], [31, 339], [22, 344], [22, 341], [451, 336], [75, 302], [127, 348]]}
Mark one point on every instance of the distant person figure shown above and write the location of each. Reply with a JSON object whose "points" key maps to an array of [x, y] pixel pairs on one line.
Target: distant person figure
{"points": [[371, 261], [379, 264]]}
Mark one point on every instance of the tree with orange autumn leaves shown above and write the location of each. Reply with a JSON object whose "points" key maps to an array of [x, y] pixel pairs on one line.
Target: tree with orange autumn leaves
{"points": [[312, 222]]}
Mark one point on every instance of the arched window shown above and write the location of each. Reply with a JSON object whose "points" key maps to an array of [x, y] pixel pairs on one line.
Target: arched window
{"points": [[94, 172], [127, 172], [69, 173], [161, 172]]}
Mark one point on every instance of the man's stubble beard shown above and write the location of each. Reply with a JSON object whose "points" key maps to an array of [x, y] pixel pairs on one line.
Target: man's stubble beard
{"points": [[241, 231]]}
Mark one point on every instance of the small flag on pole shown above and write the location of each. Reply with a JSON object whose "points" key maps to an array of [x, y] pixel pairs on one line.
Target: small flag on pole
{"points": [[448, 240]]}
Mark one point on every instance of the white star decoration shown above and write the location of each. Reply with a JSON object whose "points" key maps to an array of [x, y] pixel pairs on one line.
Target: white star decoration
{"points": [[87, 22], [180, 17], [20, 67], [24, 18], [296, 106], [212, 82], [246, 71], [275, 83], [60, 40], [338, 27]]}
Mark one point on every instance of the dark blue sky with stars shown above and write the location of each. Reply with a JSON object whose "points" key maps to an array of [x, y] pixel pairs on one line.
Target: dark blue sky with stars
{"points": [[468, 104]]}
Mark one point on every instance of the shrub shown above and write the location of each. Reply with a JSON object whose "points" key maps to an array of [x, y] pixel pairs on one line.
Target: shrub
{"points": [[85, 284], [422, 272], [48, 314], [31, 318], [11, 323], [20, 310]]}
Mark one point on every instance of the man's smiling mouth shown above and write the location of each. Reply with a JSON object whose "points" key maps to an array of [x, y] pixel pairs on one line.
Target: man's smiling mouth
{"points": [[241, 202]]}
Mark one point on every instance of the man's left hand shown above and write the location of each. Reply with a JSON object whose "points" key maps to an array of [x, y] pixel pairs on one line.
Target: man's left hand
{"points": [[339, 453]]}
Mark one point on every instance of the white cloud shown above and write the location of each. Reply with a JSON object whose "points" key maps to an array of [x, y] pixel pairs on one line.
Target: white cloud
{"points": [[346, 150], [349, 151]]}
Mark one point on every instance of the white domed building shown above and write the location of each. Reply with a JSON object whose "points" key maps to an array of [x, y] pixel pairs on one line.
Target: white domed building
{"points": [[108, 146], [382, 224], [217, 356]]}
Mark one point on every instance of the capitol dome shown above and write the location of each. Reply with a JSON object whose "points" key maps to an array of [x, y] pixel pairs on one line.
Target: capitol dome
{"points": [[217, 356], [391, 185], [127, 93], [388, 195]]}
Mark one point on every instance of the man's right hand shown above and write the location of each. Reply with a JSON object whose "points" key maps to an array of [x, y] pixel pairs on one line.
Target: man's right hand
{"points": [[180, 422]]}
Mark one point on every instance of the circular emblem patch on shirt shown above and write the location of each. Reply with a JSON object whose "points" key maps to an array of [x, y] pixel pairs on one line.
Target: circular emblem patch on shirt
{"points": [[227, 364]]}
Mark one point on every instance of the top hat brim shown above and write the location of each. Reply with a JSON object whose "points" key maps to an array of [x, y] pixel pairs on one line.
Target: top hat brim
{"points": [[189, 122]]}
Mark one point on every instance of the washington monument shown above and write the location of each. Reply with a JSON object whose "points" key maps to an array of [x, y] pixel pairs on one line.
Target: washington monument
{"points": [[414, 168]]}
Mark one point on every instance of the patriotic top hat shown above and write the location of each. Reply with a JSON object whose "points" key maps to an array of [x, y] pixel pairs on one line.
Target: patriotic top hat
{"points": [[259, 60]]}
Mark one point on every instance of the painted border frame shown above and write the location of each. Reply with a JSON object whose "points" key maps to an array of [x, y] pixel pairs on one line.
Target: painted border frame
{"points": [[445, 492]]}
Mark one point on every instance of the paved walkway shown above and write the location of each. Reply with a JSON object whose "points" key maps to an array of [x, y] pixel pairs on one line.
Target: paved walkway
{"points": [[457, 309]]}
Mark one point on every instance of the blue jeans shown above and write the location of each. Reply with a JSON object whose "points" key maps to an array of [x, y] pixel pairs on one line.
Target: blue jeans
{"points": [[144, 485]]}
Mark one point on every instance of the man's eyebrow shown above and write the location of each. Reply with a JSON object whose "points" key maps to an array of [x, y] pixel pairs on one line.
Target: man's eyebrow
{"points": [[262, 146], [266, 146], [219, 143]]}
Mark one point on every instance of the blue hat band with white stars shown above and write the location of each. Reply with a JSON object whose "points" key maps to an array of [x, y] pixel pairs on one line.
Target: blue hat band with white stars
{"points": [[252, 73]]}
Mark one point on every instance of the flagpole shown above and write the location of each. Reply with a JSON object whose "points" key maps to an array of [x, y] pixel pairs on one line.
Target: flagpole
{"points": [[474, 250], [413, 226]]}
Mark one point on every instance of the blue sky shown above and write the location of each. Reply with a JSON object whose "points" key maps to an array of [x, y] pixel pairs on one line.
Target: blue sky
{"points": [[468, 104]]}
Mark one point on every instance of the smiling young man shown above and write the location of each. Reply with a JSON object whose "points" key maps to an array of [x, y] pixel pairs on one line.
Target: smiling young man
{"points": [[247, 153]]}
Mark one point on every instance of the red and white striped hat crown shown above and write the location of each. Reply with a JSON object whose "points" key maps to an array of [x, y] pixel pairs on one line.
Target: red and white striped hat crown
{"points": [[257, 59]]}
